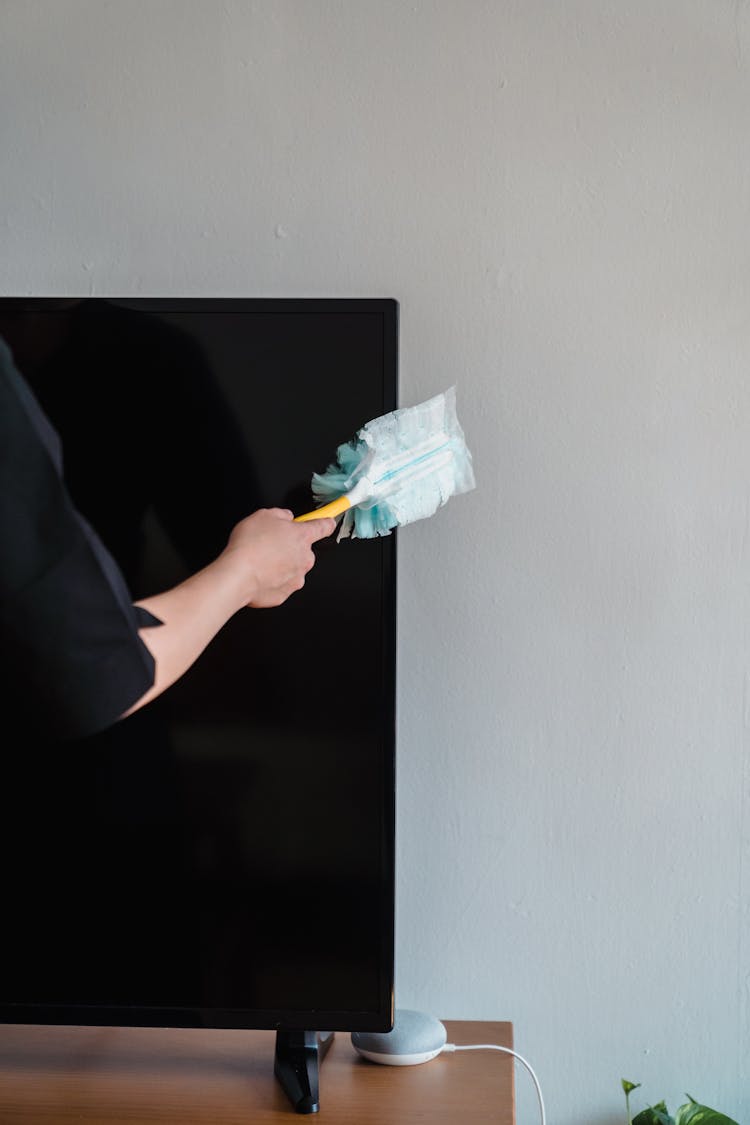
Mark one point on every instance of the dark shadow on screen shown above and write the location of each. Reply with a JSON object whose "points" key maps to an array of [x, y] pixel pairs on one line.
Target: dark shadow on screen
{"points": [[146, 436]]}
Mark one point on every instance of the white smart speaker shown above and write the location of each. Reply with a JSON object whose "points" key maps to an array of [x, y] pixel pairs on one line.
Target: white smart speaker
{"points": [[416, 1038]]}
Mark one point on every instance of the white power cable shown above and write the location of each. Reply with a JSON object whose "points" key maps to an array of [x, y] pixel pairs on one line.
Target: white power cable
{"points": [[506, 1051]]}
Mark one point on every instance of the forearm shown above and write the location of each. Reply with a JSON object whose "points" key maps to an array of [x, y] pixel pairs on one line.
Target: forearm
{"points": [[265, 561], [192, 614]]}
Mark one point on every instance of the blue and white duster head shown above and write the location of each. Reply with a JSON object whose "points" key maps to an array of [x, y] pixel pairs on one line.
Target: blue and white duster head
{"points": [[400, 468]]}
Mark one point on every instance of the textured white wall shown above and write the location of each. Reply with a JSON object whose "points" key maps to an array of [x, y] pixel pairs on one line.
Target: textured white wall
{"points": [[559, 196]]}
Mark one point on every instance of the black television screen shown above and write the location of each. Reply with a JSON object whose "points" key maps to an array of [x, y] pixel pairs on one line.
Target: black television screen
{"points": [[223, 857]]}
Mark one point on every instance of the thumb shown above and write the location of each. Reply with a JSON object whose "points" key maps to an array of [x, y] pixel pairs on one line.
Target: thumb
{"points": [[321, 529]]}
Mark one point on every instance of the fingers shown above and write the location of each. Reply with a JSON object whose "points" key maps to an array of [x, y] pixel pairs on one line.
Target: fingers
{"points": [[319, 529], [279, 596], [315, 529]]}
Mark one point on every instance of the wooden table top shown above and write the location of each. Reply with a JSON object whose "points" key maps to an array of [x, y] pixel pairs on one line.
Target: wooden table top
{"points": [[118, 1076]]}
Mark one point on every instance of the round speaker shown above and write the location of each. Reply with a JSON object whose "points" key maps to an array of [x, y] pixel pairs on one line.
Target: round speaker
{"points": [[416, 1038]]}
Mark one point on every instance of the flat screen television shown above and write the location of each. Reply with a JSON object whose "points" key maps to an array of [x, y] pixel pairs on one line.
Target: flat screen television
{"points": [[225, 856]]}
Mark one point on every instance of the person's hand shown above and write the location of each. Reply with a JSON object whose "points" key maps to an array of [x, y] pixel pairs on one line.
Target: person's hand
{"points": [[271, 554]]}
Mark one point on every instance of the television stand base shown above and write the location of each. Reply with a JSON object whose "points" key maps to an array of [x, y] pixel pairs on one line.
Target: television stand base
{"points": [[296, 1065]]}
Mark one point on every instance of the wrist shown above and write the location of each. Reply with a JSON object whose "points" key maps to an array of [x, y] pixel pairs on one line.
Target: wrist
{"points": [[236, 578]]}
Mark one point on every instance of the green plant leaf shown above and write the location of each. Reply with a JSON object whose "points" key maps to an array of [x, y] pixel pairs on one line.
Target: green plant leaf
{"points": [[628, 1087], [694, 1114], [654, 1115]]}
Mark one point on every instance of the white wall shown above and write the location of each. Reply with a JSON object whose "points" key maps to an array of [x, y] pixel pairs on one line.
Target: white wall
{"points": [[559, 196]]}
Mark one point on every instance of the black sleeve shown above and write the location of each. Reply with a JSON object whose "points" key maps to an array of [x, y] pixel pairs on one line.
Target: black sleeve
{"points": [[72, 660]]}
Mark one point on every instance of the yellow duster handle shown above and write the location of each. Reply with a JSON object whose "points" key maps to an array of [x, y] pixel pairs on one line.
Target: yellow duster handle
{"points": [[335, 508]]}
